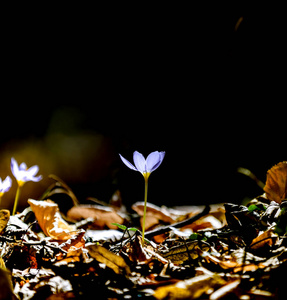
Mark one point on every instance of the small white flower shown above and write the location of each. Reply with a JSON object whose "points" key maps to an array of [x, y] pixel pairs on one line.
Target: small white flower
{"points": [[145, 166], [5, 185], [23, 174]]}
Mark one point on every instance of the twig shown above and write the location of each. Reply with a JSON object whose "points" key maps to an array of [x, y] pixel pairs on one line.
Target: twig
{"points": [[181, 224]]}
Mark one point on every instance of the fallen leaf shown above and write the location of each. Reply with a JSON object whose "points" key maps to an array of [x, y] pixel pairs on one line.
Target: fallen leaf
{"points": [[267, 237], [160, 213], [4, 218], [73, 248], [103, 216], [111, 260], [276, 182], [49, 218], [137, 252], [189, 289], [189, 250], [6, 285], [204, 223], [156, 214]]}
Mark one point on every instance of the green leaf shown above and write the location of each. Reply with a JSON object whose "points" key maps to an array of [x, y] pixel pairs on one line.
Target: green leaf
{"points": [[120, 226], [193, 236], [253, 207], [132, 229]]}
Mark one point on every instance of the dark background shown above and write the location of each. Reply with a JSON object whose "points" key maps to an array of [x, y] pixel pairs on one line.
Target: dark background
{"points": [[207, 85]]}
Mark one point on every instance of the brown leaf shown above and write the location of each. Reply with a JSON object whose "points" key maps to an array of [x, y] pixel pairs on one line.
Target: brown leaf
{"points": [[136, 252], [276, 183], [50, 220], [4, 218], [160, 213], [190, 288], [103, 216], [267, 237], [6, 285], [156, 214], [111, 260], [183, 252]]}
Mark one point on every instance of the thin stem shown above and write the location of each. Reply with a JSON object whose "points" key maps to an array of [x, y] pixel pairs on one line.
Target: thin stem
{"points": [[16, 200], [145, 202]]}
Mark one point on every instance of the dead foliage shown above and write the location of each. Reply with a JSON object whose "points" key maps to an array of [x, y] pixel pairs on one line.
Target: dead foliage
{"points": [[226, 251]]}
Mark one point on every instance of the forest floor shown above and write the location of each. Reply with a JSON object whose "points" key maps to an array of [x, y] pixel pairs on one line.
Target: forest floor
{"points": [[222, 251]]}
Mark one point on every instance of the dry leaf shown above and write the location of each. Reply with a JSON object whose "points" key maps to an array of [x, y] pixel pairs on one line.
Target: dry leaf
{"points": [[50, 220], [103, 216], [184, 252], [111, 260], [160, 213], [6, 285], [136, 251], [4, 218], [276, 183], [189, 289], [267, 237], [73, 248], [225, 290], [156, 214]]}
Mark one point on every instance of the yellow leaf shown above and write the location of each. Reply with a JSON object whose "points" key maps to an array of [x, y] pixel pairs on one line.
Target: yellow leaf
{"points": [[4, 218], [267, 237], [50, 220], [111, 260], [189, 289], [276, 183], [6, 286]]}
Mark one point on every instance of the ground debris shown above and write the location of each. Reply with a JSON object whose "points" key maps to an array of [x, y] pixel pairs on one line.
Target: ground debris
{"points": [[231, 250]]}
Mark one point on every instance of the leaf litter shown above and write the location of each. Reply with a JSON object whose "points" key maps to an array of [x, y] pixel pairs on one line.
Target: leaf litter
{"points": [[225, 251]]}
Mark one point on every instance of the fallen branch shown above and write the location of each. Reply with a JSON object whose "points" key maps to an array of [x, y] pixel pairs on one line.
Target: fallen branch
{"points": [[180, 224]]}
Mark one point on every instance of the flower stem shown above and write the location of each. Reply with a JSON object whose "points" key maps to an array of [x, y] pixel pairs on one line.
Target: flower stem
{"points": [[145, 202], [16, 200]]}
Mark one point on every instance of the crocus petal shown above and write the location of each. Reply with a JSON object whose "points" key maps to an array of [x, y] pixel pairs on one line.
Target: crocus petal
{"points": [[127, 163], [6, 184], [139, 162], [152, 160], [33, 170], [36, 179], [23, 167], [161, 157], [14, 167], [23, 175]]}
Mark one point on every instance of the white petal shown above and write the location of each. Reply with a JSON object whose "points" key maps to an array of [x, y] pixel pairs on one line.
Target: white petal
{"points": [[152, 159], [14, 168], [139, 161], [127, 163], [161, 154]]}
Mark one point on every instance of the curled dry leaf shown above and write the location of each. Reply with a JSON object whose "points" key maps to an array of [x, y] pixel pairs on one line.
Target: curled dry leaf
{"points": [[49, 218], [103, 216], [276, 183], [4, 218]]}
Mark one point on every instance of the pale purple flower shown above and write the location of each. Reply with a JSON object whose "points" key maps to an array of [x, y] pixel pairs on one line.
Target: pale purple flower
{"points": [[5, 185], [23, 174], [145, 166]]}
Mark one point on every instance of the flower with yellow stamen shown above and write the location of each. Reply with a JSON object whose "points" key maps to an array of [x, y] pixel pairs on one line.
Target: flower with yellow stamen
{"points": [[23, 175], [145, 166]]}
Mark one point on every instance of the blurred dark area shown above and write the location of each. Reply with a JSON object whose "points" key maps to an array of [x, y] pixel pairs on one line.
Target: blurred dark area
{"points": [[208, 86]]}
